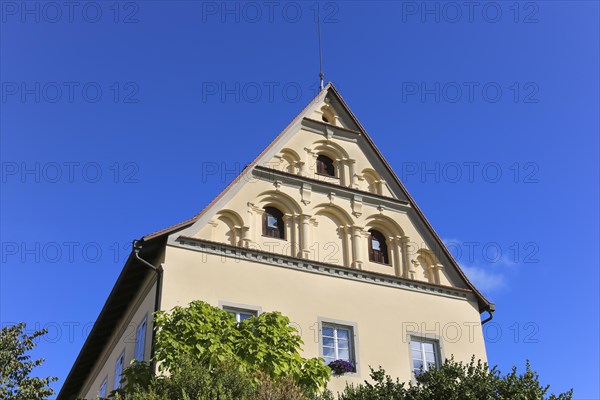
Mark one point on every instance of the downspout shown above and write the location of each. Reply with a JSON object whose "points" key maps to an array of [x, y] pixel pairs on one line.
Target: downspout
{"points": [[159, 270], [490, 310]]}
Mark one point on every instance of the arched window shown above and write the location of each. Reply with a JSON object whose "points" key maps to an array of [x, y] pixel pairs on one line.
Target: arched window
{"points": [[273, 223], [378, 251], [325, 166]]}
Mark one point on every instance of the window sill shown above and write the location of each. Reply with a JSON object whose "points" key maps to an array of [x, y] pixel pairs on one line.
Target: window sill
{"points": [[327, 176], [273, 237], [347, 375], [380, 263]]}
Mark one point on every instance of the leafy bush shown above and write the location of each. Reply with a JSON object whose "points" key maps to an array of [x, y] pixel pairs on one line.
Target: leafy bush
{"points": [[455, 381], [193, 381]]}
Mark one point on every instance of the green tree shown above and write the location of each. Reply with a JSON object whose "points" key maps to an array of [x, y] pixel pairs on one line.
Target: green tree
{"points": [[263, 347], [456, 381], [225, 381], [16, 366]]}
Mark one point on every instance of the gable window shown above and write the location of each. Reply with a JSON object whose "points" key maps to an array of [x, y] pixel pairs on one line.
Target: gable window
{"points": [[424, 354], [273, 223], [102, 391], [337, 343], [325, 166], [119, 370], [240, 314], [378, 251], [140, 340]]}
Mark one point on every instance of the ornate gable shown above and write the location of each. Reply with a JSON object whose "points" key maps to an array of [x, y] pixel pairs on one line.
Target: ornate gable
{"points": [[322, 191]]}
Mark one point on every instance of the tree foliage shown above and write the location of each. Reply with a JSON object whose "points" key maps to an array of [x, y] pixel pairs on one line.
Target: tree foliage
{"points": [[225, 381], [16, 366], [455, 381], [265, 346]]}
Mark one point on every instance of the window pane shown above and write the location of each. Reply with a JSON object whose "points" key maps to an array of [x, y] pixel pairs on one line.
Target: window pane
{"points": [[430, 357], [328, 359], [245, 316], [271, 221], [343, 344], [375, 244], [344, 354], [428, 347], [118, 370], [327, 331], [239, 314], [343, 334], [417, 364], [325, 165], [140, 342], [414, 345], [328, 341], [416, 355], [328, 352]]}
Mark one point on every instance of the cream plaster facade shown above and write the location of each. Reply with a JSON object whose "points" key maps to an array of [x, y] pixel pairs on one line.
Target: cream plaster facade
{"points": [[318, 269], [384, 315], [123, 342]]}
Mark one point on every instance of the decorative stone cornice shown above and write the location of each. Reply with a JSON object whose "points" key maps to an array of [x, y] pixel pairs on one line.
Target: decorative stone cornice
{"points": [[305, 265], [330, 130], [271, 175]]}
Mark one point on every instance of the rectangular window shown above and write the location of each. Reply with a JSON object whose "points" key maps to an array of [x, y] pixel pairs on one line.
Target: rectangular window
{"points": [[338, 343], [424, 354], [140, 340], [119, 370], [241, 314], [102, 391]]}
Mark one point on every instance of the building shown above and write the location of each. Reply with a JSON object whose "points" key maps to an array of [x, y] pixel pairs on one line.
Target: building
{"points": [[318, 227]]}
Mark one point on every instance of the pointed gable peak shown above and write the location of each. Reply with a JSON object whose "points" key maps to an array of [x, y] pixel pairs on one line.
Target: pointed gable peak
{"points": [[330, 108]]}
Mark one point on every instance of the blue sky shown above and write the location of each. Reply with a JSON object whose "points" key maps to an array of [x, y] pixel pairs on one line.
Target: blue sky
{"points": [[112, 113]]}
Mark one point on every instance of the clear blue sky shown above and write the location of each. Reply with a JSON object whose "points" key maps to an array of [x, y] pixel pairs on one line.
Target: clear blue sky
{"points": [[111, 113]]}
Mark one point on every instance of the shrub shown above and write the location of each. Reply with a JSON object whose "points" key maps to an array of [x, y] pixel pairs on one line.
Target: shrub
{"points": [[455, 381]]}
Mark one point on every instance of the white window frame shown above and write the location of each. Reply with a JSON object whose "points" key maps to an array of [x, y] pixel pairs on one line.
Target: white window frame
{"points": [[237, 312], [353, 344], [236, 308], [336, 348], [120, 360], [436, 352], [103, 385], [140, 339]]}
